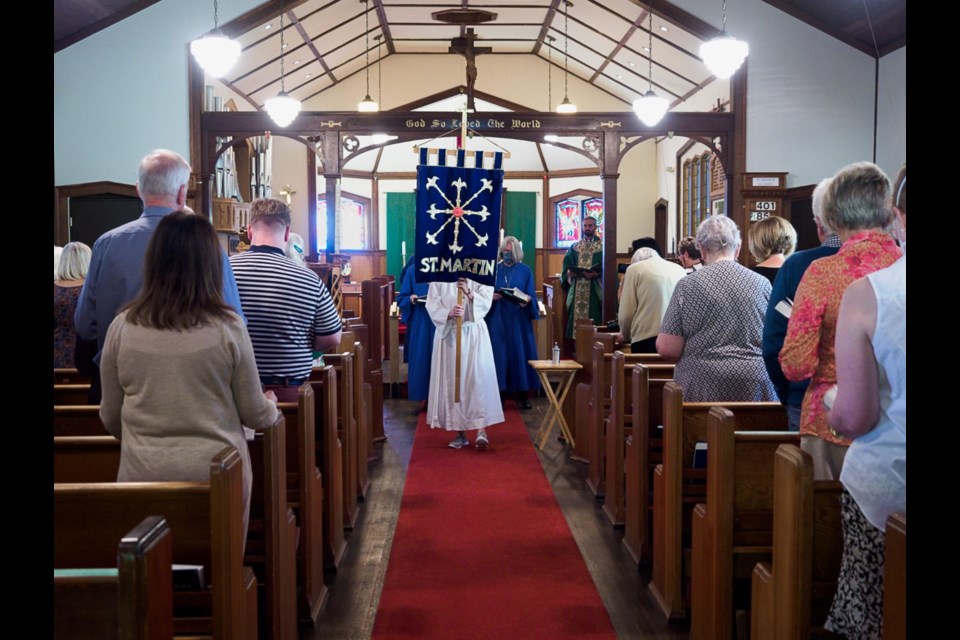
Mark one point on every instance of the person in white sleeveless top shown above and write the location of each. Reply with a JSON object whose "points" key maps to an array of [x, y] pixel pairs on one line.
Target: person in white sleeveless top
{"points": [[871, 409]]}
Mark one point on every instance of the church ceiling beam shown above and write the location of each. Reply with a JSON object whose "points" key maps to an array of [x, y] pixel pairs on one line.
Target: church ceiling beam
{"points": [[620, 45], [547, 21], [384, 26], [309, 42]]}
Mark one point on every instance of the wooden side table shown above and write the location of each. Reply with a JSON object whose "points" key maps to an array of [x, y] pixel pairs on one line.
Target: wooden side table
{"points": [[564, 372]]}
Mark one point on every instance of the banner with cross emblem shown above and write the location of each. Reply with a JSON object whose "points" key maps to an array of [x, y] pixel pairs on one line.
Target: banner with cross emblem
{"points": [[458, 218]]}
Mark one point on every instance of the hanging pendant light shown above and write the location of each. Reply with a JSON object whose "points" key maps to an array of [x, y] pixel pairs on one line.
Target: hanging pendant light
{"points": [[215, 52], [650, 107], [282, 109], [566, 106], [724, 54], [368, 104]]}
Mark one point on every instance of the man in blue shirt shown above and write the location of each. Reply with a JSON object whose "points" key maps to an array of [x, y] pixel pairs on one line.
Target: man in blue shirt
{"points": [[784, 290], [116, 266]]}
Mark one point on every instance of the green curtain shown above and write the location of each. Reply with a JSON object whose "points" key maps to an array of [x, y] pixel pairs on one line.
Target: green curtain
{"points": [[520, 221], [401, 227]]}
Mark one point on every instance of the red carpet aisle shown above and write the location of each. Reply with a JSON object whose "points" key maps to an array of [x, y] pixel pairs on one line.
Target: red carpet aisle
{"points": [[482, 550]]}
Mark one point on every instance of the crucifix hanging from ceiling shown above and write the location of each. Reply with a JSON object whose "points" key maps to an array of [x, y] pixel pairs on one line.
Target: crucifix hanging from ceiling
{"points": [[465, 44]]}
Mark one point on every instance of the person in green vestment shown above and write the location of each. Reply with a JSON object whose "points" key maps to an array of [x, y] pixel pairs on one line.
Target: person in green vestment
{"points": [[582, 267]]}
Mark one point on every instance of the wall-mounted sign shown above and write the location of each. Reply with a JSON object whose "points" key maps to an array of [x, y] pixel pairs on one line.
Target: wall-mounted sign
{"points": [[765, 181]]}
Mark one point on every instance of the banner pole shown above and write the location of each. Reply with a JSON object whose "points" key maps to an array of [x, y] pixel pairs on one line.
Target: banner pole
{"points": [[462, 145], [456, 393]]}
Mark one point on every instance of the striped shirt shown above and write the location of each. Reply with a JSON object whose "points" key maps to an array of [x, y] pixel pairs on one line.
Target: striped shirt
{"points": [[286, 305]]}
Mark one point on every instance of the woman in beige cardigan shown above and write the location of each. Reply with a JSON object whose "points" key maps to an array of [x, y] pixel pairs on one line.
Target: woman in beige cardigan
{"points": [[178, 372]]}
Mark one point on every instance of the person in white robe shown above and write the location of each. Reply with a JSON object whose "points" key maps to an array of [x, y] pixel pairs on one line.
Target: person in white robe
{"points": [[479, 405]]}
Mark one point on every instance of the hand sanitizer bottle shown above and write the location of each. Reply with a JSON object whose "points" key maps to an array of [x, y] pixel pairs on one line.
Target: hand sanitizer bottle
{"points": [[556, 353]]}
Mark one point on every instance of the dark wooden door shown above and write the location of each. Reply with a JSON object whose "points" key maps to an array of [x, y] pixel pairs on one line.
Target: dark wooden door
{"points": [[92, 216]]}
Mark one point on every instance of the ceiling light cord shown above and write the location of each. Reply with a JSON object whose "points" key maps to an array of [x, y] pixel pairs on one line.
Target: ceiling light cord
{"points": [[650, 45], [872, 34], [566, 45], [366, 33]]}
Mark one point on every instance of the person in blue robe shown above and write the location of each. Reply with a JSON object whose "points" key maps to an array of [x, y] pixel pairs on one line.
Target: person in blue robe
{"points": [[418, 341], [511, 331]]}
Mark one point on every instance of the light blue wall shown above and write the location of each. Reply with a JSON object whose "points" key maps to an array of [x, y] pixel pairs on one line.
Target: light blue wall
{"points": [[809, 96], [892, 112], [123, 91]]}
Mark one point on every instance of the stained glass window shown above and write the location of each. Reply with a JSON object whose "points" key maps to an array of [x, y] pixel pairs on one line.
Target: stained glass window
{"points": [[353, 224], [594, 208], [568, 222], [568, 218]]}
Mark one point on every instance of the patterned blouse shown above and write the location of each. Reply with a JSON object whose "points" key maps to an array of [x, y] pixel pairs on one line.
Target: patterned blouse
{"points": [[808, 349], [64, 334], [718, 311]]}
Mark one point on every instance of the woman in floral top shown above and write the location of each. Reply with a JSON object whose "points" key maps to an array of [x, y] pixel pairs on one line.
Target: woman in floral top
{"points": [[71, 271], [856, 206]]}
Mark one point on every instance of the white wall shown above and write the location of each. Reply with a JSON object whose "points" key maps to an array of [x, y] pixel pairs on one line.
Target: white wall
{"points": [[122, 92], [809, 96], [892, 112], [636, 194], [290, 168]]}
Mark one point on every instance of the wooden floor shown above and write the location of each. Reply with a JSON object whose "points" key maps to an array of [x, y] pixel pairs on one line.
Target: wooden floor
{"points": [[355, 592]]}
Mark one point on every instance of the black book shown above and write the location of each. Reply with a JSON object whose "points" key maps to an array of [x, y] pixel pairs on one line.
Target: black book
{"points": [[514, 295], [188, 577], [580, 272]]}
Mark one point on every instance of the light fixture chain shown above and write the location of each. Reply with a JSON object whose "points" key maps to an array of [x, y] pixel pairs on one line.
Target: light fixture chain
{"points": [[366, 35], [650, 46], [566, 45], [723, 25], [282, 47], [550, 72], [379, 73], [215, 17]]}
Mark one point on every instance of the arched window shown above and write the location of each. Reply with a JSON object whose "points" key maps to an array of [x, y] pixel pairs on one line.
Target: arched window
{"points": [[695, 192]]}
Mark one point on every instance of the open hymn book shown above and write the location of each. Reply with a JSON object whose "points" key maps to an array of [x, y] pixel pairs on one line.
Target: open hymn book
{"points": [[514, 295]]}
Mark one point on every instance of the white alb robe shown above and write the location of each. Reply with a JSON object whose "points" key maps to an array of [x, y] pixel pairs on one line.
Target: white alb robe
{"points": [[479, 404]]}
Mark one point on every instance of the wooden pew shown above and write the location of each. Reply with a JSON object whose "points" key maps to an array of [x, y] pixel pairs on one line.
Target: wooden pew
{"points": [[305, 496], [71, 394], [69, 376], [272, 533], [895, 578], [377, 296], [600, 408], [621, 423], [684, 424], [79, 420], [643, 451], [347, 430], [362, 394], [134, 602], [791, 595], [367, 436], [330, 457], [206, 520], [733, 530], [576, 408]]}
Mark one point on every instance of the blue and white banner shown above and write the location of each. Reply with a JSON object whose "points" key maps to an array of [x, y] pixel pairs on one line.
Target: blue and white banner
{"points": [[458, 219]]}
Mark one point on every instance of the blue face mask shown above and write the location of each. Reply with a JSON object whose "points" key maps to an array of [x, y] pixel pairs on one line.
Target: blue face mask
{"points": [[507, 256]]}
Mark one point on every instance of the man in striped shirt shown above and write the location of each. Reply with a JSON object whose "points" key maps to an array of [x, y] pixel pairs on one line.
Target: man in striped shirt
{"points": [[290, 314]]}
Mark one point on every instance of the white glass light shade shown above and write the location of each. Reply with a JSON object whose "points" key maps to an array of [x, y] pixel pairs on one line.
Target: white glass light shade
{"points": [[282, 109], [566, 106], [724, 55], [216, 53], [368, 105], [650, 108]]}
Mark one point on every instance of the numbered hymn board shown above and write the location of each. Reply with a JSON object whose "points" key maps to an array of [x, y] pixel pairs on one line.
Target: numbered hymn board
{"points": [[764, 195]]}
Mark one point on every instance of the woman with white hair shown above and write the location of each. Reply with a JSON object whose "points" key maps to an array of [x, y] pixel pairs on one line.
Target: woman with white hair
{"points": [[511, 329], [71, 272], [713, 325], [856, 206]]}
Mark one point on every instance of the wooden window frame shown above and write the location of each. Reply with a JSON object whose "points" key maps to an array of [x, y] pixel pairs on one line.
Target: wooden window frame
{"points": [[368, 213], [549, 223]]}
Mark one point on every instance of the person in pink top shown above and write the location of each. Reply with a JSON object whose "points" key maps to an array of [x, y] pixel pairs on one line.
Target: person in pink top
{"points": [[857, 207]]}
